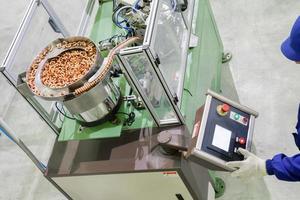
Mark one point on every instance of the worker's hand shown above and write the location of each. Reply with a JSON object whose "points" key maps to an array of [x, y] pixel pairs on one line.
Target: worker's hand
{"points": [[252, 166]]}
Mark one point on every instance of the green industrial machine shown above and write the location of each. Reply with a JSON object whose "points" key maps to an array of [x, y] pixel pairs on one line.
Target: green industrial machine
{"points": [[203, 70], [121, 158]]}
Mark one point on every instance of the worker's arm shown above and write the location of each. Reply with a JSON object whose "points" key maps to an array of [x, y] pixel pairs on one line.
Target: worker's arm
{"points": [[284, 168], [252, 166]]}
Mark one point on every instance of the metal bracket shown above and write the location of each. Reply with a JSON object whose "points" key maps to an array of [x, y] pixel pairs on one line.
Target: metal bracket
{"points": [[174, 140], [129, 98], [175, 98], [22, 86], [194, 39], [181, 5], [157, 60], [226, 57], [53, 25]]}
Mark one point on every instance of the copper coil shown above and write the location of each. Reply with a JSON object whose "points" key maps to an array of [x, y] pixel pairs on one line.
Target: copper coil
{"points": [[66, 68], [70, 66], [111, 55]]}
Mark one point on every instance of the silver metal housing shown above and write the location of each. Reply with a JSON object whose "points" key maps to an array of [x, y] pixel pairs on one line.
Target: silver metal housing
{"points": [[90, 106], [60, 94], [96, 103]]}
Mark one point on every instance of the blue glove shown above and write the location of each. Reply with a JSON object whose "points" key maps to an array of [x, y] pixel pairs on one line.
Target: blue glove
{"points": [[297, 135]]}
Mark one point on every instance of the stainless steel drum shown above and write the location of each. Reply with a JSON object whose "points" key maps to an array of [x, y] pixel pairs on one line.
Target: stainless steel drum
{"points": [[91, 106], [97, 105]]}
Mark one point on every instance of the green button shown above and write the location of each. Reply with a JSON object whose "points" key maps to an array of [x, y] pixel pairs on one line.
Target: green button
{"points": [[236, 116]]}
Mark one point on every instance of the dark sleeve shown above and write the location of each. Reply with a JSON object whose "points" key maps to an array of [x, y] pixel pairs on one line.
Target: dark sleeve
{"points": [[284, 168]]}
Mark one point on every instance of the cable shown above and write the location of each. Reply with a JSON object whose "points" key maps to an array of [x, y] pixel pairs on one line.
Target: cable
{"points": [[123, 113], [131, 118], [116, 16], [188, 91], [7, 135], [11, 139], [64, 114]]}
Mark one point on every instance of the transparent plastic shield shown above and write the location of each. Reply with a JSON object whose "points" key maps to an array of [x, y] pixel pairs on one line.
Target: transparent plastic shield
{"points": [[71, 10], [75, 14], [38, 35], [167, 42], [140, 69], [10, 24], [34, 35]]}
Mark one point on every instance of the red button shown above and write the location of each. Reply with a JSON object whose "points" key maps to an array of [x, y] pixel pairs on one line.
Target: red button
{"points": [[242, 140], [225, 107], [245, 120]]}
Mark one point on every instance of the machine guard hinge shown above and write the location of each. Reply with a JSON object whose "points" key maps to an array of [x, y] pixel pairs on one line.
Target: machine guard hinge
{"points": [[175, 99], [53, 25], [157, 60], [2, 69], [22, 86]]}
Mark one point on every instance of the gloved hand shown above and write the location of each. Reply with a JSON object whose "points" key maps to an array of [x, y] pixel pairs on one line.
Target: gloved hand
{"points": [[252, 166]]}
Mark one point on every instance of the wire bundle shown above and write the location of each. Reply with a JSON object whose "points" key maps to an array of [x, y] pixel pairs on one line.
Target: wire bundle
{"points": [[125, 23]]}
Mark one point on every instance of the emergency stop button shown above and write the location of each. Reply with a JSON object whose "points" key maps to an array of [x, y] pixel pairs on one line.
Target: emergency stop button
{"points": [[242, 140], [223, 109]]}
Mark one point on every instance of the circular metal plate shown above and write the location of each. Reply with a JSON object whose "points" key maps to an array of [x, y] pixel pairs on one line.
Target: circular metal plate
{"points": [[51, 51]]}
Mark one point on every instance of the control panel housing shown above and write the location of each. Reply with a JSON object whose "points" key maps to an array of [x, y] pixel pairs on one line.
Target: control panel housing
{"points": [[225, 126]]}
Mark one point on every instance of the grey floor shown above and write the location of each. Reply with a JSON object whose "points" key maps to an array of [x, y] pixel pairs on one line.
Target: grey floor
{"points": [[252, 30]]}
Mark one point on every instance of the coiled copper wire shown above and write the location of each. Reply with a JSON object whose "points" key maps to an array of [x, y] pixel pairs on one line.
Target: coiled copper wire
{"points": [[71, 65], [88, 85], [66, 68]]}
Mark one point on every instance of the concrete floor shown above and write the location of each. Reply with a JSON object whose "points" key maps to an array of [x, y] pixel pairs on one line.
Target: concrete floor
{"points": [[253, 31]]}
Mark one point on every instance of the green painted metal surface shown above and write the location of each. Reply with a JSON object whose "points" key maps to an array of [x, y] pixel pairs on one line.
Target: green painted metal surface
{"points": [[203, 72], [103, 27], [218, 184]]}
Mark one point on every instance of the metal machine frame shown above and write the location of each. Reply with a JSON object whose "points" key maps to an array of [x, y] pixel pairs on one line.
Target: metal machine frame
{"points": [[149, 37], [19, 37], [134, 82], [174, 99], [142, 141], [147, 50]]}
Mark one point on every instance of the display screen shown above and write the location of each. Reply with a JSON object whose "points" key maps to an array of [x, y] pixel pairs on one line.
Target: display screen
{"points": [[222, 138]]}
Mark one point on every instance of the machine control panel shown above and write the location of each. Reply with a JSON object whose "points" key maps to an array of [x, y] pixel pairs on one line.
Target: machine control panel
{"points": [[225, 126]]}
